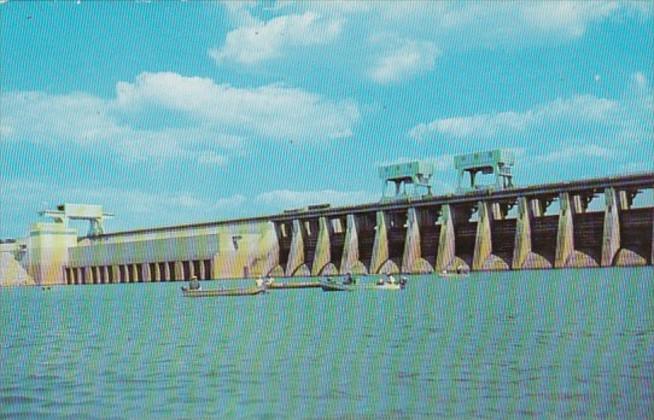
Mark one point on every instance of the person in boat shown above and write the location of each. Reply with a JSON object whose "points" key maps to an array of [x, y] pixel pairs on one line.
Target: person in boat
{"points": [[391, 280], [461, 269], [381, 280], [194, 284], [403, 280], [349, 279]]}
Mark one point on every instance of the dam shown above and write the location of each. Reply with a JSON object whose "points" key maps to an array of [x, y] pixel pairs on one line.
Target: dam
{"points": [[481, 228]]}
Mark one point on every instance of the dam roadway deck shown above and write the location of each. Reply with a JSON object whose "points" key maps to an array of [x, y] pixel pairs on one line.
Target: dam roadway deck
{"points": [[638, 181], [406, 235]]}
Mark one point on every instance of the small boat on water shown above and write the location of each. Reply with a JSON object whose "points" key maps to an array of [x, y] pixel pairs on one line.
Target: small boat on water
{"points": [[243, 291], [270, 284], [460, 272], [331, 286], [384, 283], [390, 283], [453, 275], [290, 285], [388, 286]]}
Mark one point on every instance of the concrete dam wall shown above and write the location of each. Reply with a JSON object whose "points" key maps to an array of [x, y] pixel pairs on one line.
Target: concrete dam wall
{"points": [[432, 234]]}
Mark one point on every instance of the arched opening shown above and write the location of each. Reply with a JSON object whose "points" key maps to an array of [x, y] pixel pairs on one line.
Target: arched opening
{"points": [[139, 273], [197, 272], [186, 270], [154, 272], [171, 271]]}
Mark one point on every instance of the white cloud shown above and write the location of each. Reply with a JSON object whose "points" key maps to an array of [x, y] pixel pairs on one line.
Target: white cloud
{"points": [[229, 203], [443, 163], [637, 167], [518, 23], [640, 80], [188, 117], [77, 116], [239, 11], [286, 199], [5, 131], [642, 8], [212, 158], [584, 108], [140, 208], [271, 111], [455, 25], [259, 41], [637, 120], [577, 154], [350, 28], [567, 19], [88, 121], [405, 61], [132, 208], [338, 8]]}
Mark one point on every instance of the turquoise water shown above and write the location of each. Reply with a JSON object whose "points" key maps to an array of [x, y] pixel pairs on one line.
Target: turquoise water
{"points": [[541, 343]]}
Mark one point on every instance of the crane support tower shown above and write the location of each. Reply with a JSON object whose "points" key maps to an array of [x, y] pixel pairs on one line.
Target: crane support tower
{"points": [[93, 213], [496, 162], [416, 173]]}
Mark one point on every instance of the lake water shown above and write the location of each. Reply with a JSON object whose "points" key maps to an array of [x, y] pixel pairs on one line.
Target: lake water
{"points": [[536, 343]]}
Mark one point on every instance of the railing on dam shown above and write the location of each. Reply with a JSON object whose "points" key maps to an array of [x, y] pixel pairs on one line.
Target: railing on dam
{"points": [[509, 229]]}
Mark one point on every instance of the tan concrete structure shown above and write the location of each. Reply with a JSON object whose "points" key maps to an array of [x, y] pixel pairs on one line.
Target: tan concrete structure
{"points": [[412, 261], [522, 246], [565, 234], [483, 243], [115, 274], [566, 255], [303, 242], [296, 256], [48, 246], [380, 246], [445, 257], [350, 262], [323, 254], [12, 272], [523, 257], [611, 233]]}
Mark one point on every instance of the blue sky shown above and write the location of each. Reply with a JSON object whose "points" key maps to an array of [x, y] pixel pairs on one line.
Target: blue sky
{"points": [[179, 112]]}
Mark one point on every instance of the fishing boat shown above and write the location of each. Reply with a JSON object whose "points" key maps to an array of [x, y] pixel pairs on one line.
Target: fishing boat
{"points": [[331, 286], [390, 283], [460, 272], [244, 291], [335, 287], [293, 285], [384, 283], [388, 286], [269, 283]]}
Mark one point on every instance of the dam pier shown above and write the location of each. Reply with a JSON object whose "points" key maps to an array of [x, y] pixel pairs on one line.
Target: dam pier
{"points": [[501, 227]]}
